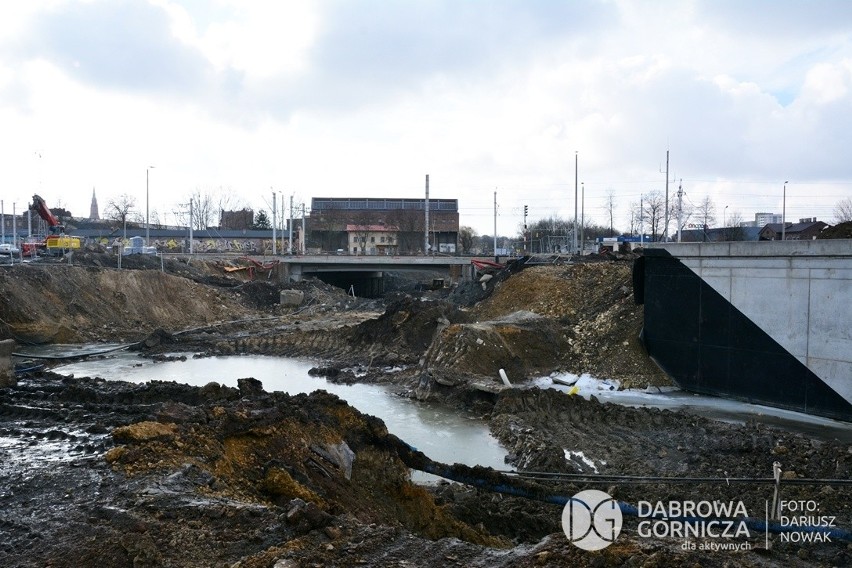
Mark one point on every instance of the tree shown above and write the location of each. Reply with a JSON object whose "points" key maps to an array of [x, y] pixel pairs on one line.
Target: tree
{"points": [[609, 205], [203, 210], [734, 230], [843, 210], [120, 209], [651, 213], [467, 238], [261, 221], [634, 217], [551, 234], [705, 212]]}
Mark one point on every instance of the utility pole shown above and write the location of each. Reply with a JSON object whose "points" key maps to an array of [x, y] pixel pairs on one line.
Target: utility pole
{"points": [[784, 213], [496, 256], [582, 216], [290, 245], [574, 235], [147, 221], [274, 223], [679, 208], [304, 237], [3, 217], [666, 228], [641, 220], [525, 229], [426, 221], [190, 225]]}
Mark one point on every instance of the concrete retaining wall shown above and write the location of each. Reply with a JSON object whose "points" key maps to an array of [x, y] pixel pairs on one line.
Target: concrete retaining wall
{"points": [[798, 292]]}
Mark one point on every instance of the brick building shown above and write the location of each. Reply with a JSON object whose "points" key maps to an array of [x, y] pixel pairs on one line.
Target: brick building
{"points": [[335, 221]]}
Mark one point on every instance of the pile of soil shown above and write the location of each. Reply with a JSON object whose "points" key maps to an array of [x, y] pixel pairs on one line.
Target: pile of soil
{"points": [[164, 474], [52, 303], [592, 304]]}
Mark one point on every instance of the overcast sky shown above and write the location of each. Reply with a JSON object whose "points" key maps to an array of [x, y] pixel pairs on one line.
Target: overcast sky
{"points": [[364, 98]]}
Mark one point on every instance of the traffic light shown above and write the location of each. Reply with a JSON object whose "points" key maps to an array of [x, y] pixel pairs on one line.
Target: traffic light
{"points": [[525, 210]]}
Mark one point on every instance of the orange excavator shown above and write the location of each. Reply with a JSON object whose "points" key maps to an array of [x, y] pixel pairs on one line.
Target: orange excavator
{"points": [[56, 242]]}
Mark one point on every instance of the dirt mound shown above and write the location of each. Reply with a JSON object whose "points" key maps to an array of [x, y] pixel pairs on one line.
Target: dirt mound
{"points": [[169, 475], [407, 325], [259, 294], [593, 304], [521, 343], [64, 304], [468, 293]]}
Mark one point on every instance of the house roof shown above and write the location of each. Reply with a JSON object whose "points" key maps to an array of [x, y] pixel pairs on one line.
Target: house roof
{"points": [[795, 227]]}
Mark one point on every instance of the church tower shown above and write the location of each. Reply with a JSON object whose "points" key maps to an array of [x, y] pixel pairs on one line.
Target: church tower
{"points": [[93, 211]]}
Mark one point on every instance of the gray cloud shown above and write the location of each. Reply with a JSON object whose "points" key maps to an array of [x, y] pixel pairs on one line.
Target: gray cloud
{"points": [[121, 45], [369, 52]]}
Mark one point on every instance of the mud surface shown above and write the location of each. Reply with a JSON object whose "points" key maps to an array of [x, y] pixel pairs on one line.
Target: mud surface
{"points": [[96, 473]]}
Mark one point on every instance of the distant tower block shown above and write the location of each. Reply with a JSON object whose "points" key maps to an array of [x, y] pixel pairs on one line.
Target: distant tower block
{"points": [[93, 211]]}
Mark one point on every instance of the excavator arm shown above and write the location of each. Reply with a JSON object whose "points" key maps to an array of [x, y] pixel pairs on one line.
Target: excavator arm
{"points": [[45, 213]]}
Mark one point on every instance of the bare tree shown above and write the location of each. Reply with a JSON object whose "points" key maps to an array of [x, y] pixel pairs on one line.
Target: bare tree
{"points": [[155, 219], [734, 229], [634, 217], [203, 210], [120, 209], [705, 212], [229, 200], [653, 211], [843, 210], [609, 205]]}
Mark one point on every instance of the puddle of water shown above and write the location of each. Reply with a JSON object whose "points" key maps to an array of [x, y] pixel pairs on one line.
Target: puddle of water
{"points": [[59, 351], [718, 408], [441, 434]]}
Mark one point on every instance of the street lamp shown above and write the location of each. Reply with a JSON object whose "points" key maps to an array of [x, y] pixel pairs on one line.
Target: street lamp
{"points": [[784, 212], [147, 223], [582, 216], [724, 211], [574, 239]]}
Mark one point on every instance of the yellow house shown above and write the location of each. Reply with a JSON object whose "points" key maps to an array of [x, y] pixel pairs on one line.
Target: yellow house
{"points": [[372, 239]]}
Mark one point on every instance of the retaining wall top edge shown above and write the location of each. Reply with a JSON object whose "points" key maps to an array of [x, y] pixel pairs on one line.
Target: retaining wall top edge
{"points": [[826, 247]]}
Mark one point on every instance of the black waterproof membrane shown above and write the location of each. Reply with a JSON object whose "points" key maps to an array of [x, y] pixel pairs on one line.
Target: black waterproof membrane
{"points": [[706, 345]]}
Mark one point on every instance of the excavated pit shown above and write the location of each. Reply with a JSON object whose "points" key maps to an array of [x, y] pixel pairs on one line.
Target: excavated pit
{"points": [[161, 474]]}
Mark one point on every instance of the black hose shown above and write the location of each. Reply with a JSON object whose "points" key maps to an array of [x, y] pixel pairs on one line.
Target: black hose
{"points": [[499, 482]]}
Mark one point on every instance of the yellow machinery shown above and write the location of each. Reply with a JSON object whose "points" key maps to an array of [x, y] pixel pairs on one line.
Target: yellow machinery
{"points": [[59, 244]]}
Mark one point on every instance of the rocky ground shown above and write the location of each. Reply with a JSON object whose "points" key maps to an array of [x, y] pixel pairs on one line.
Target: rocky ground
{"points": [[96, 473]]}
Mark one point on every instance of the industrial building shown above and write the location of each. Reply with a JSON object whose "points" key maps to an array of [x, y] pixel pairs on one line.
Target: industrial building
{"points": [[381, 226]]}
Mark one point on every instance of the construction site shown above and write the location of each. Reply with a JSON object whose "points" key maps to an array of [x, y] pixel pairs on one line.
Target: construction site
{"points": [[97, 471]]}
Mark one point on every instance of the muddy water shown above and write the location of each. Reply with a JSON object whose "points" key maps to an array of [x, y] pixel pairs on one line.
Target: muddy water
{"points": [[714, 407], [440, 433]]}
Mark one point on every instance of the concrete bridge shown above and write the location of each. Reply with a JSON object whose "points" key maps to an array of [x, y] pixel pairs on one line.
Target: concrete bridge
{"points": [[365, 273], [767, 322]]}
